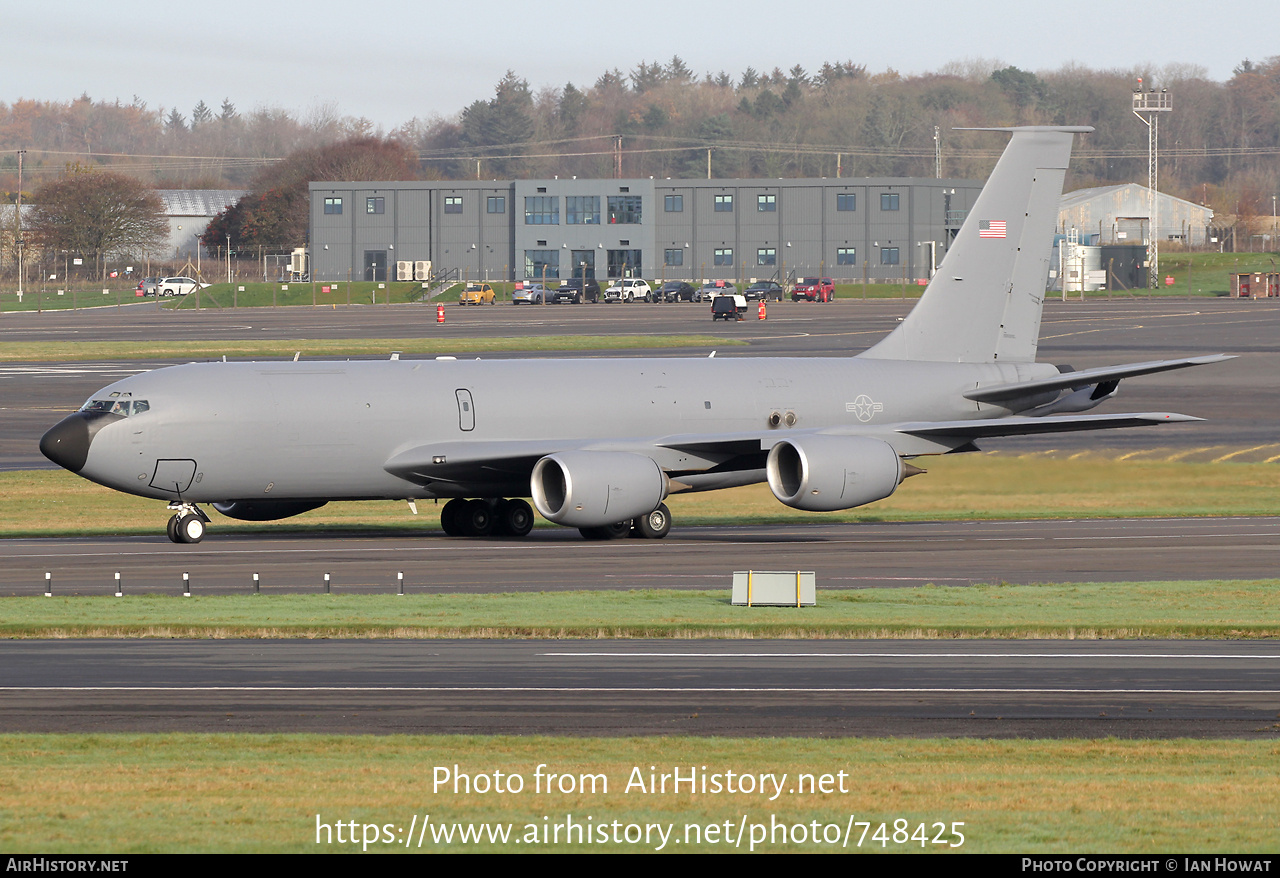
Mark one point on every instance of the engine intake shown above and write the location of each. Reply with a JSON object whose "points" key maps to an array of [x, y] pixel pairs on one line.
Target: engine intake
{"points": [[595, 488], [826, 473]]}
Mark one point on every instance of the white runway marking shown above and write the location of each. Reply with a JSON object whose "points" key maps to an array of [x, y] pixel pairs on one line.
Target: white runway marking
{"points": [[637, 689]]}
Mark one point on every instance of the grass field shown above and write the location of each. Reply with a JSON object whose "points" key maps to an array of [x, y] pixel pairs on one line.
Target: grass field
{"points": [[258, 793], [1196, 274], [1049, 611], [30, 352], [960, 486]]}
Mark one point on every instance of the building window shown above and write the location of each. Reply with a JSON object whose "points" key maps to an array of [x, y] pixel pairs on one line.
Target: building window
{"points": [[541, 263], [497, 204], [888, 255], [453, 204], [624, 209], [888, 200], [724, 256], [673, 203], [724, 204], [766, 203], [846, 201], [766, 255], [624, 263], [673, 256], [333, 205], [582, 209], [846, 256], [377, 204], [542, 210]]}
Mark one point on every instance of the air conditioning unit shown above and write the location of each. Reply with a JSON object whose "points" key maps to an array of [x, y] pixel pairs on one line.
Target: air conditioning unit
{"points": [[404, 271], [422, 270]]}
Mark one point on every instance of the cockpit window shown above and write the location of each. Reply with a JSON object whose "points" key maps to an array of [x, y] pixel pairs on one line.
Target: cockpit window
{"points": [[116, 406]]}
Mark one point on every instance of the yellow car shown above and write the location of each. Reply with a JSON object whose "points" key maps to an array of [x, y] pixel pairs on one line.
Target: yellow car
{"points": [[477, 294]]}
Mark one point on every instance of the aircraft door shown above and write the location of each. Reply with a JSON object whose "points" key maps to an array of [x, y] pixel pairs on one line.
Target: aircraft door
{"points": [[173, 475], [466, 410]]}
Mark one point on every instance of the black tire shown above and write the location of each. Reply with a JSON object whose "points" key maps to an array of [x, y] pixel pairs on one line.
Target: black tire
{"points": [[450, 521], [614, 531], [477, 519], [190, 528], [515, 518], [171, 528], [655, 525]]}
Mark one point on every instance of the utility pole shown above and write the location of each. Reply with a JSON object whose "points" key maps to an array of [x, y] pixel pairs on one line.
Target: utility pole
{"points": [[937, 152]]}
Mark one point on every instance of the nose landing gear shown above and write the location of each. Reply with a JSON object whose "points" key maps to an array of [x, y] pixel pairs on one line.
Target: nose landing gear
{"points": [[187, 524]]}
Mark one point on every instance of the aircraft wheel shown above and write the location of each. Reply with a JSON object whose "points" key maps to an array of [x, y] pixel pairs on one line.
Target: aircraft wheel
{"points": [[477, 519], [614, 531], [515, 518], [190, 529], [171, 528], [655, 525], [450, 518]]}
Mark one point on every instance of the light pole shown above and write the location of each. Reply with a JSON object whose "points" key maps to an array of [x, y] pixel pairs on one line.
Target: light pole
{"points": [[228, 259], [18, 227]]}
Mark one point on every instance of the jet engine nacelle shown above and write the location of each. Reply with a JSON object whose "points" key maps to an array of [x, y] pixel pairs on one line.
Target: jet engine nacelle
{"points": [[596, 488], [266, 510], [826, 473]]}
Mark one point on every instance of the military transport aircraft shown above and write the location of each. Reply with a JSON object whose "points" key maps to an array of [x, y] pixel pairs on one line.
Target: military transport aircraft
{"points": [[600, 444]]}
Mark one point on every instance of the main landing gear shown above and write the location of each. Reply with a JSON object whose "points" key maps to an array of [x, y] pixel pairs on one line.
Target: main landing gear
{"points": [[487, 517], [187, 524], [514, 518]]}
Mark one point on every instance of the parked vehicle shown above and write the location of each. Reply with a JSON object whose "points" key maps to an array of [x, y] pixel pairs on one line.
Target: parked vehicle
{"points": [[728, 307], [180, 286], [675, 291], [713, 288], [530, 294], [571, 290], [814, 289], [477, 294], [148, 286], [763, 291], [628, 290]]}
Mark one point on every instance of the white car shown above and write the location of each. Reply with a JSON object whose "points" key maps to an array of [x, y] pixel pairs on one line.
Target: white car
{"points": [[180, 286], [628, 290]]}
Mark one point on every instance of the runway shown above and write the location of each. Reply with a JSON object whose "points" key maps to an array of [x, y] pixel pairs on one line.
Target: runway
{"points": [[870, 555], [971, 688]]}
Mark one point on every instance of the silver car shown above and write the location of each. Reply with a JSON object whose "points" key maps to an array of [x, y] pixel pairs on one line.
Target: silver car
{"points": [[530, 294]]}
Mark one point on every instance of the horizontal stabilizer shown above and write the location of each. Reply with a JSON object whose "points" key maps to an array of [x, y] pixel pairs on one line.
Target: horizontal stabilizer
{"points": [[1003, 392], [1023, 426]]}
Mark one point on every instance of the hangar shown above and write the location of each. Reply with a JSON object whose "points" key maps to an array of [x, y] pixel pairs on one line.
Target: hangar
{"points": [[1121, 215]]}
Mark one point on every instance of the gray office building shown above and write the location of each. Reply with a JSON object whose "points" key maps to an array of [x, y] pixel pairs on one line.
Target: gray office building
{"points": [[878, 229]]}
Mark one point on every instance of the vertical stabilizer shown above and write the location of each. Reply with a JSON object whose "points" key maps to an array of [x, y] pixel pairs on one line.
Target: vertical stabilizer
{"points": [[983, 304]]}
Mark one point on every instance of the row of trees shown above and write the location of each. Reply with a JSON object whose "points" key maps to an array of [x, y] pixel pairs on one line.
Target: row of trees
{"points": [[1219, 145]]}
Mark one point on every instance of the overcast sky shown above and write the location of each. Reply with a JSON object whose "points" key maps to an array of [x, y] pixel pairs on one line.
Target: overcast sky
{"points": [[393, 61]]}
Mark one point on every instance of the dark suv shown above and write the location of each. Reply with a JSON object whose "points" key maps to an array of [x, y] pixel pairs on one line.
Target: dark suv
{"points": [[571, 291]]}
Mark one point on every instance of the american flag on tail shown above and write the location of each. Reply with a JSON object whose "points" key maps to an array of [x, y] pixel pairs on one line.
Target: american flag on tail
{"points": [[991, 229]]}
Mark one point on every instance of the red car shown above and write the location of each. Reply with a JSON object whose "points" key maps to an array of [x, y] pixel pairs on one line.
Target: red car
{"points": [[814, 289]]}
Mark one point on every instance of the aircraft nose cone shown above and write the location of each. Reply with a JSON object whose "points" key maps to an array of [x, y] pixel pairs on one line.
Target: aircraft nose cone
{"points": [[67, 442]]}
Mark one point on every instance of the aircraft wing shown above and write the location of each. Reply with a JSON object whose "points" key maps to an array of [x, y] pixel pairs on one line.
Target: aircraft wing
{"points": [[1025, 426], [1086, 377]]}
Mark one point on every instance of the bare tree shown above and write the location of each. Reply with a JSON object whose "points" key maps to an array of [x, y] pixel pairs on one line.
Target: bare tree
{"points": [[96, 214]]}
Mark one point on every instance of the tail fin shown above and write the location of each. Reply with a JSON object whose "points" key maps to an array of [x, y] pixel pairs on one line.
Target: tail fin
{"points": [[983, 304]]}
